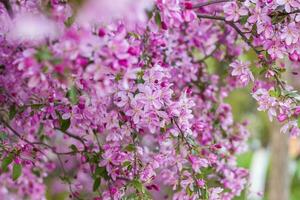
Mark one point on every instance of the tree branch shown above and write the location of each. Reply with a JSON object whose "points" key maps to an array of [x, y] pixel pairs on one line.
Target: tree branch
{"points": [[200, 5], [8, 7], [234, 26]]}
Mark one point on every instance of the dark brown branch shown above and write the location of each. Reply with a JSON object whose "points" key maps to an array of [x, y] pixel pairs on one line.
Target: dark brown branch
{"points": [[6, 124], [211, 17], [81, 140], [33, 144], [8, 7], [200, 5], [234, 26], [243, 36], [245, 39]]}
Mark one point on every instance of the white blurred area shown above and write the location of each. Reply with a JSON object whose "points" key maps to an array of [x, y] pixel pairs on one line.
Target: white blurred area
{"points": [[27, 27], [258, 174], [103, 12]]}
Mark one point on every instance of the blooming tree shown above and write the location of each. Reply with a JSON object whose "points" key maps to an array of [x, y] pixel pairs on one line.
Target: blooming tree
{"points": [[115, 98]]}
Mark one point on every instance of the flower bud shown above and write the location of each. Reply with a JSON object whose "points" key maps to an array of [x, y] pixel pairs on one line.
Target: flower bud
{"points": [[293, 56], [101, 32], [281, 117], [297, 110], [188, 5]]}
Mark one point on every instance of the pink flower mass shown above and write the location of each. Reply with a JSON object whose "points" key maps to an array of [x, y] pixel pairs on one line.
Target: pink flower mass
{"points": [[115, 99]]}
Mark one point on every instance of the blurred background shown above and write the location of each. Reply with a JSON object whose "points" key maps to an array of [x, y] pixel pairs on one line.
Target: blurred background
{"points": [[273, 158]]}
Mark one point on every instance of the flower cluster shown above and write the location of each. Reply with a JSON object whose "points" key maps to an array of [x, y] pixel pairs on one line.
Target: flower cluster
{"points": [[116, 100]]}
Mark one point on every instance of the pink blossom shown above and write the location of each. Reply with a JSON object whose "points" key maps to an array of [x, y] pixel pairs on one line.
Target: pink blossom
{"points": [[266, 102], [242, 72], [233, 11], [288, 4], [198, 163], [149, 97], [136, 112], [289, 34]]}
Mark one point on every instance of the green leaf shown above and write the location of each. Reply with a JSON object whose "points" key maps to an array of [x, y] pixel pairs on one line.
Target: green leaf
{"points": [[140, 81], [132, 196], [72, 95], [6, 162], [65, 124], [12, 112], [70, 21], [65, 179], [37, 106], [118, 77], [3, 136], [130, 148], [17, 171], [41, 128], [101, 172], [274, 93], [189, 191], [96, 184], [158, 19], [126, 163], [254, 29], [138, 185], [278, 18], [298, 122], [243, 19], [36, 172], [43, 54], [74, 148], [263, 70]]}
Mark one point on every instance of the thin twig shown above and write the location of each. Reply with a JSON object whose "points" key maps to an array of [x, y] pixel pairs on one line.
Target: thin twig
{"points": [[200, 5], [8, 7], [234, 26], [81, 140]]}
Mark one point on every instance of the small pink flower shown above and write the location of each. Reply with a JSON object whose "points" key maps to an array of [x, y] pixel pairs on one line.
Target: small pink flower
{"points": [[198, 163], [136, 111], [149, 97], [242, 72], [290, 34], [266, 102], [121, 99], [288, 4], [297, 110], [282, 117], [233, 11]]}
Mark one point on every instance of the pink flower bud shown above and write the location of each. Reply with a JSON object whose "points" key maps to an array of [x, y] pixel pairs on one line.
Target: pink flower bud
{"points": [[281, 117], [82, 61], [297, 110], [133, 51], [164, 26], [83, 159], [123, 63], [101, 32], [293, 56], [17, 160], [189, 91], [59, 69], [188, 5], [260, 56], [200, 183], [113, 190]]}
